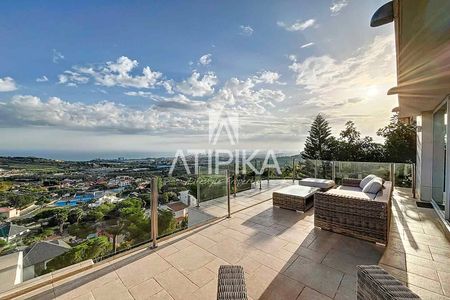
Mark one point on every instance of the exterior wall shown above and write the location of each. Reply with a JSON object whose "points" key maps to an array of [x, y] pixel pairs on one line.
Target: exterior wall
{"points": [[19, 270], [447, 171], [181, 213], [28, 273], [424, 159]]}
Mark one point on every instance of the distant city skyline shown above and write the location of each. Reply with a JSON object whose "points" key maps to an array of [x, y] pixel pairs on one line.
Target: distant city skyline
{"points": [[142, 77]]}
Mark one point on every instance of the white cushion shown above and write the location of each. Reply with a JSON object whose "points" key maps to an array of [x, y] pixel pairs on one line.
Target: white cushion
{"points": [[317, 182], [374, 186], [350, 193], [349, 188], [366, 180]]}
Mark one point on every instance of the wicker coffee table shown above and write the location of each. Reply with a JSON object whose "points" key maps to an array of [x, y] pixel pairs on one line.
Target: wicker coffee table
{"points": [[295, 197]]}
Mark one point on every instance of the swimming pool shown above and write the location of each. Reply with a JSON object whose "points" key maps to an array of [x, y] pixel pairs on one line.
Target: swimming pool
{"points": [[78, 199]]}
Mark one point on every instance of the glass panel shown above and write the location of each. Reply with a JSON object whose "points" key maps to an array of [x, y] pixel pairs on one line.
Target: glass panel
{"points": [[69, 217], [439, 155], [347, 169], [403, 175]]}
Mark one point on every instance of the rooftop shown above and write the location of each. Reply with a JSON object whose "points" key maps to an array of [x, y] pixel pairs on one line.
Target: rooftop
{"points": [[43, 251], [9, 229], [283, 255]]}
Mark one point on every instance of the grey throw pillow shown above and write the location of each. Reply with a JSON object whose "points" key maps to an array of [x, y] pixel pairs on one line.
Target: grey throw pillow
{"points": [[366, 180], [374, 186]]}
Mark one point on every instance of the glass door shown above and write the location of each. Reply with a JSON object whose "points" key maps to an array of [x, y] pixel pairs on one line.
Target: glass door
{"points": [[439, 155]]}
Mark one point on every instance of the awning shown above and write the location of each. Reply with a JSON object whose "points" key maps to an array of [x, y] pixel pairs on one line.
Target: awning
{"points": [[383, 15]]}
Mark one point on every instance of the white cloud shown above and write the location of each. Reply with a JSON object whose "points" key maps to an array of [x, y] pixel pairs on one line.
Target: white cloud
{"points": [[197, 85], [242, 97], [205, 59], [57, 56], [337, 6], [107, 116], [267, 77], [114, 73], [71, 78], [328, 79], [7, 84], [298, 25], [42, 79], [246, 30], [307, 45]]}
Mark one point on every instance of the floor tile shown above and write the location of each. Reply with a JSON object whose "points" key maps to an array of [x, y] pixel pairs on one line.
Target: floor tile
{"points": [[112, 291], [317, 276], [141, 270], [176, 284], [310, 294], [145, 289]]}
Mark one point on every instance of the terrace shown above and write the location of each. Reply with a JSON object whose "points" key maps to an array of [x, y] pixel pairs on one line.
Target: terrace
{"points": [[284, 257]]}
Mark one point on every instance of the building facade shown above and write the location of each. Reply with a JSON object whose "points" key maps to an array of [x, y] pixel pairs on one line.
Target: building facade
{"points": [[422, 37]]}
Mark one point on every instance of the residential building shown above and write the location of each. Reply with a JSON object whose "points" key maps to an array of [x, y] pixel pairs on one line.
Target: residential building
{"points": [[36, 257], [10, 231], [179, 210], [9, 212], [422, 36]]}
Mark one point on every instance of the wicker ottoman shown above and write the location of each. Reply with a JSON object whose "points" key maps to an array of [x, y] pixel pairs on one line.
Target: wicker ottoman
{"points": [[322, 184], [231, 283], [295, 197], [376, 284]]}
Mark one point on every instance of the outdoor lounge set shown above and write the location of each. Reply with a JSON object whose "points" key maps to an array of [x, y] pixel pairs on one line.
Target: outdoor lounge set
{"points": [[359, 207]]}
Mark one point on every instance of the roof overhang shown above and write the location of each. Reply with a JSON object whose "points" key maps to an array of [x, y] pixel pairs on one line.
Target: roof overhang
{"points": [[383, 15]]}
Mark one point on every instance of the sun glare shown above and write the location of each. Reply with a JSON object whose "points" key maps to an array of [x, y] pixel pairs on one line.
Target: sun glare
{"points": [[372, 91]]}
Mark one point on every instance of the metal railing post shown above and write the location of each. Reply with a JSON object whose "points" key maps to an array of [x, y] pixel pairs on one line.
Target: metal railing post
{"points": [[154, 212], [293, 170], [315, 168], [227, 172], [198, 186], [260, 179], [391, 173], [333, 171], [413, 171], [235, 184]]}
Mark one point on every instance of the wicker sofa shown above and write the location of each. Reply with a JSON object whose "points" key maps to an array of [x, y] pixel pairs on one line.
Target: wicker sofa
{"points": [[347, 210]]}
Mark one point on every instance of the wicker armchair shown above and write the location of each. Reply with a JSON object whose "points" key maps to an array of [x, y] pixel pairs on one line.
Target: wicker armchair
{"points": [[376, 284], [231, 283], [354, 214]]}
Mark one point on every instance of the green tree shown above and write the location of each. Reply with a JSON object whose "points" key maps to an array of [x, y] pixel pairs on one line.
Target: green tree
{"points": [[75, 215], [61, 218], [90, 249], [5, 186], [3, 245], [318, 143], [351, 147], [124, 217], [166, 222], [41, 200], [168, 197], [400, 141]]}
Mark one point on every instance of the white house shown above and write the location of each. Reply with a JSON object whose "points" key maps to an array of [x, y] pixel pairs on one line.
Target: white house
{"points": [[179, 209], [9, 212]]}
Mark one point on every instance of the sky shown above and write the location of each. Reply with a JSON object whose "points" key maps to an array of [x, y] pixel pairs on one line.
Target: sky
{"points": [[144, 76]]}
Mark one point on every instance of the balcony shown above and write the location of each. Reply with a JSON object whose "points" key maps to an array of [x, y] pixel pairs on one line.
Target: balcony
{"points": [[284, 257]]}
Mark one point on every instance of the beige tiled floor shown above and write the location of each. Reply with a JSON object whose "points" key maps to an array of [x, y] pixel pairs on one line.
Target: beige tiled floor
{"points": [[283, 255]]}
